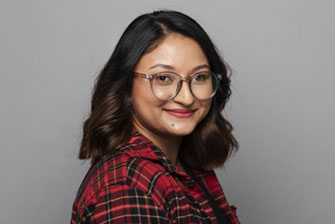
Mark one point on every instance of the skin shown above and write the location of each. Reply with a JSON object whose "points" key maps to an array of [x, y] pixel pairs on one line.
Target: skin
{"points": [[152, 116]]}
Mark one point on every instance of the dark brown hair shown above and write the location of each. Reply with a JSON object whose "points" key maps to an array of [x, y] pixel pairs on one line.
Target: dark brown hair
{"points": [[110, 122]]}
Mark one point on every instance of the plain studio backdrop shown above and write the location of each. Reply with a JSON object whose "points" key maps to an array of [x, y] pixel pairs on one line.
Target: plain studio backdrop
{"points": [[282, 106]]}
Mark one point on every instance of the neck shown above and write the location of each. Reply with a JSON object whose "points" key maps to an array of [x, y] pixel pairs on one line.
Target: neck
{"points": [[168, 144]]}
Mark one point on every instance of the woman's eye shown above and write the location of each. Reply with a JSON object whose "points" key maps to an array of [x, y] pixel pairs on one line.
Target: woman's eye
{"points": [[162, 77], [201, 77]]}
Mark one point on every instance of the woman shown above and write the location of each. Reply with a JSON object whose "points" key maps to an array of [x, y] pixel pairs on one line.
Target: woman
{"points": [[155, 131]]}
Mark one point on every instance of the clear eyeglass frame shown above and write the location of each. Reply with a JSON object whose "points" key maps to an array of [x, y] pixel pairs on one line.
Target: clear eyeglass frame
{"points": [[189, 79]]}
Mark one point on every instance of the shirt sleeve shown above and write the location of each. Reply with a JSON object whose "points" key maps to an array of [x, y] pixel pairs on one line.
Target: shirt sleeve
{"points": [[123, 204]]}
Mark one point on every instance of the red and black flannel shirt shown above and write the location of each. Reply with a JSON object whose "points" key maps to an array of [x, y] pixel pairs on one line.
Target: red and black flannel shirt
{"points": [[138, 184]]}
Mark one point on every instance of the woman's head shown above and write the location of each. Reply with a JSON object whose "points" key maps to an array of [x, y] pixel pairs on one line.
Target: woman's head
{"points": [[110, 122], [161, 108]]}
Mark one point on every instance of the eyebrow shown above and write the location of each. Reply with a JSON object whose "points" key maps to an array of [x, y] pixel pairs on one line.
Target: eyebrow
{"points": [[173, 68]]}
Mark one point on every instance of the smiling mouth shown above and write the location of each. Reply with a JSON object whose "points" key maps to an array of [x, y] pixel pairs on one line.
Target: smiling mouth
{"points": [[181, 113]]}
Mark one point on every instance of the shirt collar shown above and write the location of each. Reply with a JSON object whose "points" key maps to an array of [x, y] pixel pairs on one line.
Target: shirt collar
{"points": [[141, 146]]}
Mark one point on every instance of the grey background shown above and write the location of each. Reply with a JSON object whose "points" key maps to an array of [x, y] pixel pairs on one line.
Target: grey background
{"points": [[282, 107]]}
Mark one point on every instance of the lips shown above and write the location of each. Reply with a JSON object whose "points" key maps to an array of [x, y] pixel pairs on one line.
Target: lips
{"points": [[180, 113]]}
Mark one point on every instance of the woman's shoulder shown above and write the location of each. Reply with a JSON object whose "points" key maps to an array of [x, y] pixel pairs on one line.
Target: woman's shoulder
{"points": [[120, 170], [121, 180]]}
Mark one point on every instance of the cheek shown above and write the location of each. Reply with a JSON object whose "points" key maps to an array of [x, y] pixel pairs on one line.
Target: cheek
{"points": [[141, 93], [205, 106], [144, 102]]}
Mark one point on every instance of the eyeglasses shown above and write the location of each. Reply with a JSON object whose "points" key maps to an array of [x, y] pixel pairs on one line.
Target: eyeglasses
{"points": [[166, 85]]}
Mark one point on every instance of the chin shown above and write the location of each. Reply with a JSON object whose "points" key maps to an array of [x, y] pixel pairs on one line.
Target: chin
{"points": [[182, 131]]}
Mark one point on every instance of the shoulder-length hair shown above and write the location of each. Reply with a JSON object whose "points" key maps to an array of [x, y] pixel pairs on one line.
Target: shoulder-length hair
{"points": [[110, 124]]}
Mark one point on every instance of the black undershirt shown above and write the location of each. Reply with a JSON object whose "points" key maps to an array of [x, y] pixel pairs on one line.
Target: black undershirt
{"points": [[220, 216]]}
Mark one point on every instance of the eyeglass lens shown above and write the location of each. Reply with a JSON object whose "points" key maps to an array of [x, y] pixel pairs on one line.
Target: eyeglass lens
{"points": [[166, 85]]}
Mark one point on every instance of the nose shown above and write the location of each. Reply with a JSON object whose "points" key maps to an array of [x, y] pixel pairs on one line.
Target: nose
{"points": [[184, 95]]}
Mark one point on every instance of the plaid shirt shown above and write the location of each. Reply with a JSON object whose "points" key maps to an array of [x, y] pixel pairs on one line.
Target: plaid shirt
{"points": [[138, 184]]}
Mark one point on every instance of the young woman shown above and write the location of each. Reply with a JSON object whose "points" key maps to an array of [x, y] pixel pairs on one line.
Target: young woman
{"points": [[155, 131]]}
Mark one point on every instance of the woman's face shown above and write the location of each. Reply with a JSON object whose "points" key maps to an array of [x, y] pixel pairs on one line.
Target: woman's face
{"points": [[180, 115]]}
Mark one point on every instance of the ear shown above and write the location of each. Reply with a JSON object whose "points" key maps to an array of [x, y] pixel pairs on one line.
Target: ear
{"points": [[129, 100]]}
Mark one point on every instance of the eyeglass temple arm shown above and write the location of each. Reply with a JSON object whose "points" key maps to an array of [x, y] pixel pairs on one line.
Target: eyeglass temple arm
{"points": [[143, 75]]}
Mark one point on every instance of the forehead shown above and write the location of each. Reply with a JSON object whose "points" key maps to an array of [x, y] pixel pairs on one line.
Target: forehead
{"points": [[177, 51]]}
